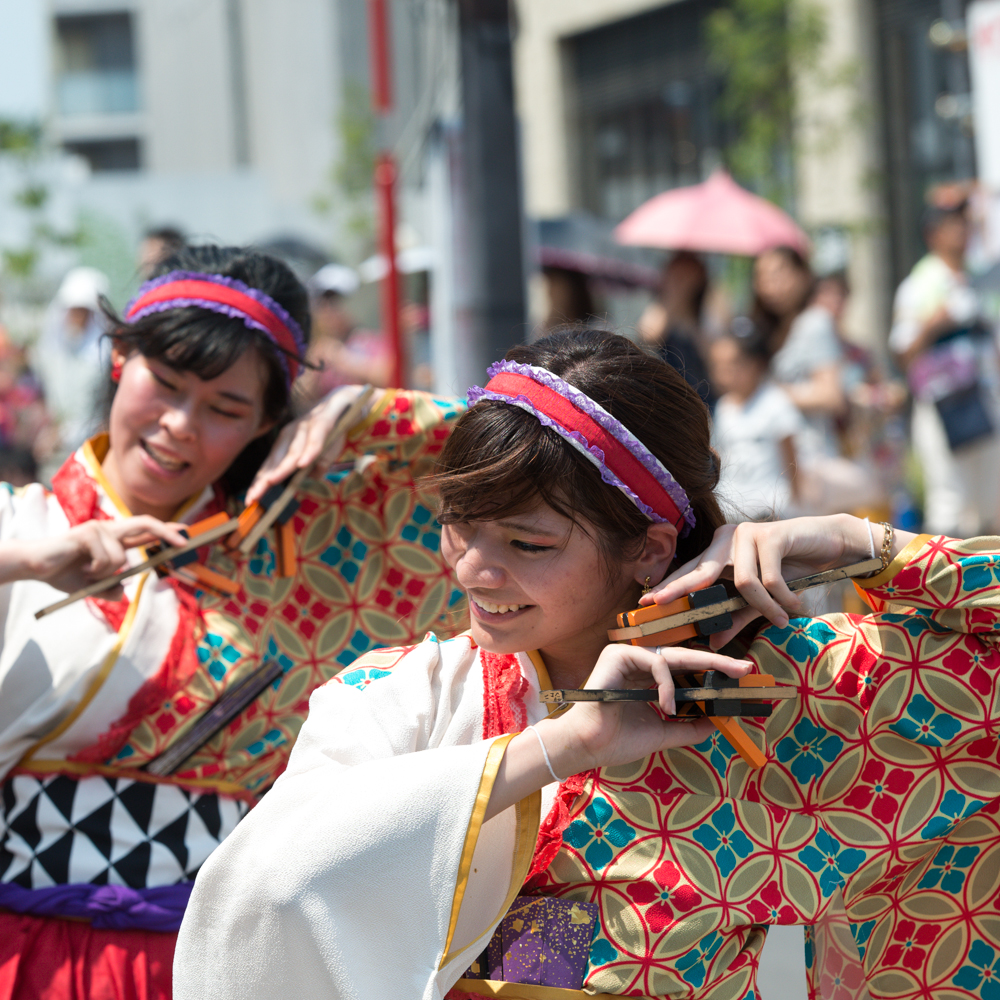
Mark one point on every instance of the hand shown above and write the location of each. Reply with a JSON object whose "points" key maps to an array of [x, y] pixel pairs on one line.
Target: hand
{"points": [[763, 556], [88, 552], [603, 734], [303, 441]]}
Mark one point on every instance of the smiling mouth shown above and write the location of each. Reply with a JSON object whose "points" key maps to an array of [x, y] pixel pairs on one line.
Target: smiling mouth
{"points": [[495, 609], [163, 460]]}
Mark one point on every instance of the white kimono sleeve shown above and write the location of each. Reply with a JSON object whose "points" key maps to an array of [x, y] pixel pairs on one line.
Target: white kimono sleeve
{"points": [[367, 871]]}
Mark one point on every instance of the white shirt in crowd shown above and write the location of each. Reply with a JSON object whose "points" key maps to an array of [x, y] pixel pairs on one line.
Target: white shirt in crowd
{"points": [[754, 480]]}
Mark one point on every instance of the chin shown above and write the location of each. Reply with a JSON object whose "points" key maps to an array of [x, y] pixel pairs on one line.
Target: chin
{"points": [[495, 644]]}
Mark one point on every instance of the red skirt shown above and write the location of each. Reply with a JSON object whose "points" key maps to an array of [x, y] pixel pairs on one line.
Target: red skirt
{"points": [[44, 958]]}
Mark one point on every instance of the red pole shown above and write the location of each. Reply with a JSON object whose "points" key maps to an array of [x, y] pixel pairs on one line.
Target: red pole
{"points": [[385, 180], [378, 27]]}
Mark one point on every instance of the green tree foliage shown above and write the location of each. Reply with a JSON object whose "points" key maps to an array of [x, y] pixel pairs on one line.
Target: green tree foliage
{"points": [[22, 143], [348, 199], [760, 47]]}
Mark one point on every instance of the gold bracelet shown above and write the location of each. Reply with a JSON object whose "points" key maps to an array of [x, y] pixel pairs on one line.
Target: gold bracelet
{"points": [[886, 553]]}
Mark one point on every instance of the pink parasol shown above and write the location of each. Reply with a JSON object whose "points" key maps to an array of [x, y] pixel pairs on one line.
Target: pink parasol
{"points": [[716, 216]]}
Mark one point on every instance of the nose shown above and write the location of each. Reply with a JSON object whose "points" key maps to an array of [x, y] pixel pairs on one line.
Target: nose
{"points": [[477, 563], [178, 421]]}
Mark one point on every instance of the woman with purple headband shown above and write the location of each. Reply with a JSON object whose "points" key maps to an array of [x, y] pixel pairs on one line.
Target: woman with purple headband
{"points": [[101, 839], [436, 834]]}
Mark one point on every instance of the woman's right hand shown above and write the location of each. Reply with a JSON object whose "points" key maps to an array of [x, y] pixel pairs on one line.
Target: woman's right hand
{"points": [[604, 734], [87, 552]]}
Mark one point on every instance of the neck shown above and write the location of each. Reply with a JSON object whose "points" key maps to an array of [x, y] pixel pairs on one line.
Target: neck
{"points": [[571, 661]]}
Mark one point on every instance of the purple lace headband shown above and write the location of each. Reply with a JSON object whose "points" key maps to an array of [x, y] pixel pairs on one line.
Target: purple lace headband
{"points": [[621, 458], [230, 297]]}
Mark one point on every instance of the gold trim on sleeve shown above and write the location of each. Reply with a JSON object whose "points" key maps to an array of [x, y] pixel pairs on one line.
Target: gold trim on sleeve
{"points": [[526, 991], [98, 681], [528, 815], [905, 555], [378, 410]]}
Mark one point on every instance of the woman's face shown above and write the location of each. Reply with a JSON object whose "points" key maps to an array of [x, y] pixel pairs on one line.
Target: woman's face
{"points": [[536, 581], [173, 433], [780, 285]]}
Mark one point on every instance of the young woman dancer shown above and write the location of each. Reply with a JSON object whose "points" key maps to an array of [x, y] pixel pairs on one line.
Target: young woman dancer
{"points": [[98, 855], [415, 811]]}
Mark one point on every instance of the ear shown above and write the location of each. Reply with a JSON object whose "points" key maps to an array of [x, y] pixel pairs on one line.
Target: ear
{"points": [[658, 554]]}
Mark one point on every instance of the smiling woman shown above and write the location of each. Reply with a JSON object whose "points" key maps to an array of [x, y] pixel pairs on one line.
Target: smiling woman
{"points": [[436, 834], [99, 839]]}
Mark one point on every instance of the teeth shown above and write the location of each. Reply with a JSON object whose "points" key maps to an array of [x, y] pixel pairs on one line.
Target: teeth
{"points": [[497, 609], [168, 463]]}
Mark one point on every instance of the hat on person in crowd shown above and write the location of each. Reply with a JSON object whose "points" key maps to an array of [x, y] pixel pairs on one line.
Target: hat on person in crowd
{"points": [[335, 279], [82, 288]]}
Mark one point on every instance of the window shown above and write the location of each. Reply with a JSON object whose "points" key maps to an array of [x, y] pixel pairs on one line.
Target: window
{"points": [[107, 154], [96, 65], [926, 131], [645, 101]]}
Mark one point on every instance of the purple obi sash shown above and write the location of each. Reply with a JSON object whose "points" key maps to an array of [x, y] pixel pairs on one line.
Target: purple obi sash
{"points": [[543, 941], [109, 907]]}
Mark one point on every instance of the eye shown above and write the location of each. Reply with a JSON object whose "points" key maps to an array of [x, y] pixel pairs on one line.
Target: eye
{"points": [[159, 378], [226, 413], [529, 547]]}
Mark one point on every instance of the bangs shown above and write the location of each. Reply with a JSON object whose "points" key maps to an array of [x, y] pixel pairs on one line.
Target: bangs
{"points": [[500, 461], [195, 340]]}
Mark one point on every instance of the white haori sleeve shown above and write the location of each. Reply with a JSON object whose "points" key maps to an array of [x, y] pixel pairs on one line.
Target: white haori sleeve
{"points": [[367, 871]]}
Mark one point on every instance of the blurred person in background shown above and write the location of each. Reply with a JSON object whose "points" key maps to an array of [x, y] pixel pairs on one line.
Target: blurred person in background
{"points": [[157, 245], [946, 349], [807, 362], [342, 353], [68, 359], [754, 427], [672, 324], [569, 297]]}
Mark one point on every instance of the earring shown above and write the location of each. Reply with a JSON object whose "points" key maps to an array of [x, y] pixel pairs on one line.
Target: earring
{"points": [[646, 588], [116, 369]]}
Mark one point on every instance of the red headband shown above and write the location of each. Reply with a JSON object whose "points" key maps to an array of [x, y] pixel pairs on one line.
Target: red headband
{"points": [[623, 460], [230, 297]]}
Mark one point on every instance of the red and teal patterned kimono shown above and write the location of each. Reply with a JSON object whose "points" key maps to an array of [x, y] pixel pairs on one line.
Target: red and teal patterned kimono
{"points": [[874, 817], [881, 789]]}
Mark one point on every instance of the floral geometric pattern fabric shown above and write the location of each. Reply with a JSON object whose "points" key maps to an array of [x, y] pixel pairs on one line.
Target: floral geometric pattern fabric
{"points": [[369, 574], [879, 807]]}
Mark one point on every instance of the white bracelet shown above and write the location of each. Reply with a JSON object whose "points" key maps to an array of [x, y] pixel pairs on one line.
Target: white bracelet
{"points": [[871, 540], [545, 754]]}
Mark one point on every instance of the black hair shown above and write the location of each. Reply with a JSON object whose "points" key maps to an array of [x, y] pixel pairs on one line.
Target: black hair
{"points": [[206, 343], [771, 325], [934, 215], [751, 341], [170, 236]]}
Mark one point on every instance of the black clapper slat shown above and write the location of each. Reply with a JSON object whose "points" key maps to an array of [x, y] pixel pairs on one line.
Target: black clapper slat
{"points": [[230, 705]]}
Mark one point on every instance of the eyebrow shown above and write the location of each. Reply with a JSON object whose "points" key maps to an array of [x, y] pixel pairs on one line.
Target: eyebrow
{"points": [[237, 398], [527, 528]]}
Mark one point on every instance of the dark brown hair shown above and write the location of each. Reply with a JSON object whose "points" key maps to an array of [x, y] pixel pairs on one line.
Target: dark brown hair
{"points": [[775, 327], [500, 460]]}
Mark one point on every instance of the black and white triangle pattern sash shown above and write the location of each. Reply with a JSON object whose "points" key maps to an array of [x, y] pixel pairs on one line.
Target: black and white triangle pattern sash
{"points": [[58, 830]]}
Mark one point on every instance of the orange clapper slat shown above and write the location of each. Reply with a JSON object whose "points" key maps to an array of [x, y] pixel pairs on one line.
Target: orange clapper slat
{"points": [[287, 563], [210, 578], [248, 519]]}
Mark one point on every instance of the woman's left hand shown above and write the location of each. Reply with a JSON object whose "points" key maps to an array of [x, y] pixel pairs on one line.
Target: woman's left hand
{"points": [[303, 441]]}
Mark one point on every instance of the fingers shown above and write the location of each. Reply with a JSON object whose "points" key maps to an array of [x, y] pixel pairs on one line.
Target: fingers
{"points": [[740, 621], [746, 553], [698, 573], [143, 529], [282, 461]]}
